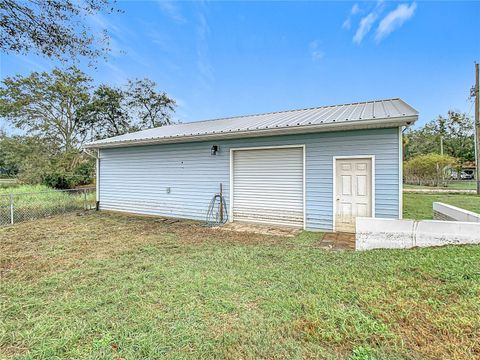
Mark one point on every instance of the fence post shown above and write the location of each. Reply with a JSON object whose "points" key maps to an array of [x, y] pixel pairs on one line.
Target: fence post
{"points": [[84, 199], [11, 209]]}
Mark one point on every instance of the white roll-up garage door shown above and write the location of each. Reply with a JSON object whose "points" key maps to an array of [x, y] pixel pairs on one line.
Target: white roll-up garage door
{"points": [[268, 186]]}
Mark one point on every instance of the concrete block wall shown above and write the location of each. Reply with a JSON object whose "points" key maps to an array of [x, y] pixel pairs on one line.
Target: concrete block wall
{"points": [[437, 215], [447, 212], [377, 233]]}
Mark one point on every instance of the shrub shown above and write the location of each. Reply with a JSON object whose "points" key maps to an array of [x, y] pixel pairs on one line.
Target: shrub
{"points": [[37, 161], [67, 171], [431, 169], [61, 171]]}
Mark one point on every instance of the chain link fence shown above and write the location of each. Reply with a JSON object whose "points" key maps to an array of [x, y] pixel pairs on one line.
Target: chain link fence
{"points": [[17, 207], [446, 183]]}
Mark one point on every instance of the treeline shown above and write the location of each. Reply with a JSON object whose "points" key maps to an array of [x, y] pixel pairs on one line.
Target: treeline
{"points": [[59, 111], [438, 151]]}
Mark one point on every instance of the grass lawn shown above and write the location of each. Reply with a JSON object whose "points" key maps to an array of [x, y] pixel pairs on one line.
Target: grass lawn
{"points": [[454, 185], [123, 287], [419, 205]]}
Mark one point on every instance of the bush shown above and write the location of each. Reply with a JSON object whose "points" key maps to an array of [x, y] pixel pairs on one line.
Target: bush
{"points": [[37, 161], [431, 169], [61, 171], [67, 171]]}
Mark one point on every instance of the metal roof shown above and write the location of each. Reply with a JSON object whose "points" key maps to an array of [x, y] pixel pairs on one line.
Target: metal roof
{"points": [[369, 114]]}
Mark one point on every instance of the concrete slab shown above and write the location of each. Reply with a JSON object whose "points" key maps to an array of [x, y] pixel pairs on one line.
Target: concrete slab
{"points": [[330, 241], [264, 229], [338, 241]]}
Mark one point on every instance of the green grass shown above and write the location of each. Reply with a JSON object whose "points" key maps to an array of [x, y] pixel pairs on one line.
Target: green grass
{"points": [[419, 205], [105, 286], [37, 201], [454, 185]]}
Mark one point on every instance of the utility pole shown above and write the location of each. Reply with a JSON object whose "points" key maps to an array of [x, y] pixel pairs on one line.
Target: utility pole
{"points": [[477, 130]]}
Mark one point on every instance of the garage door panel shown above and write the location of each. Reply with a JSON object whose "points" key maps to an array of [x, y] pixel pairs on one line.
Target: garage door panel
{"points": [[270, 197], [269, 203], [267, 199], [269, 216], [268, 186], [268, 192], [265, 180]]}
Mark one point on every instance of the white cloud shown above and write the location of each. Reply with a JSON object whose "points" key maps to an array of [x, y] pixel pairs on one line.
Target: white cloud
{"points": [[355, 9], [315, 52], [366, 24], [204, 66], [100, 22], [162, 40], [347, 24], [114, 74], [181, 103], [33, 62], [172, 11], [181, 112], [394, 19]]}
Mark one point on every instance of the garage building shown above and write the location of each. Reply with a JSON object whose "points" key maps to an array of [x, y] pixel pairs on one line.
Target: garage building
{"points": [[315, 168]]}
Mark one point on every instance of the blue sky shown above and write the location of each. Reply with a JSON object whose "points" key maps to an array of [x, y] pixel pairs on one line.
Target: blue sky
{"points": [[230, 58]]}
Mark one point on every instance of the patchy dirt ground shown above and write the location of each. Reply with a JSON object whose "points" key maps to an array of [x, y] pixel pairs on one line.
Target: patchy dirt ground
{"points": [[260, 229]]}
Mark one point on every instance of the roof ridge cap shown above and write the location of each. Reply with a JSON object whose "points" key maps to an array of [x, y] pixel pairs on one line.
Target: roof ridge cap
{"points": [[283, 111]]}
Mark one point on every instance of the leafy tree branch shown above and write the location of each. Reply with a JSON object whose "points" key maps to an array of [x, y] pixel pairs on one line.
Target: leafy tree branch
{"points": [[53, 28]]}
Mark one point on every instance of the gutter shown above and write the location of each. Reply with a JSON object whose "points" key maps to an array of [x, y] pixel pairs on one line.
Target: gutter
{"points": [[286, 130]]}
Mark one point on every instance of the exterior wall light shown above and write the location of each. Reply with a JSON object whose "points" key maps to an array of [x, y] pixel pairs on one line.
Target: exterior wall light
{"points": [[214, 150]]}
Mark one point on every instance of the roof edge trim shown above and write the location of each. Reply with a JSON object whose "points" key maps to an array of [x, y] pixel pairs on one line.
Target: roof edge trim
{"points": [[353, 125]]}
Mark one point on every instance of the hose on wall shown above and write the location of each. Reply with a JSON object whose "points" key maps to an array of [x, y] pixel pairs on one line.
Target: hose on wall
{"points": [[217, 213]]}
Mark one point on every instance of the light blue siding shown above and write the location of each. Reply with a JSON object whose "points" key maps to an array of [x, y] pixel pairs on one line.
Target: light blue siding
{"points": [[135, 179]]}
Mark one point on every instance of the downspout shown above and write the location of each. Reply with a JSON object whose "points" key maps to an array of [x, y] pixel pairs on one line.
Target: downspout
{"points": [[97, 176]]}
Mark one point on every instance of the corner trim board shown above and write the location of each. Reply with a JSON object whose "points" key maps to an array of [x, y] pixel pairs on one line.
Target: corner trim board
{"points": [[400, 173]]}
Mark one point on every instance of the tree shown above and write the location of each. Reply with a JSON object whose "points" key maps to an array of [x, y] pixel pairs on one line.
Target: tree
{"points": [[455, 132], [10, 155], [53, 28], [153, 108], [114, 111], [60, 111], [421, 141], [60, 107], [48, 104], [107, 113]]}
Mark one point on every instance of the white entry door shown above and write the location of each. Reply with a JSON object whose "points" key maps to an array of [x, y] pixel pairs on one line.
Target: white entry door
{"points": [[353, 187], [267, 185]]}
